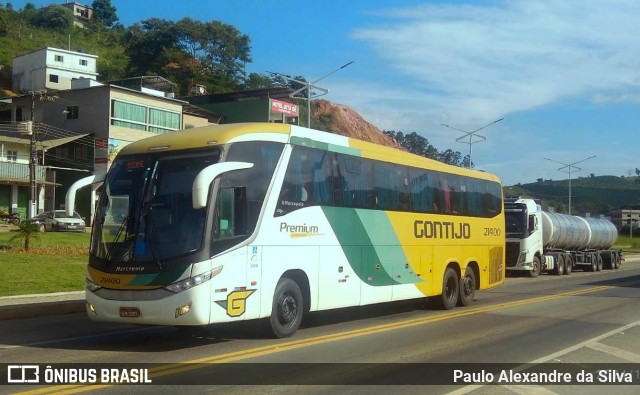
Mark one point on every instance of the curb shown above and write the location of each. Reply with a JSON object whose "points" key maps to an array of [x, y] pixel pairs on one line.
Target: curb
{"points": [[33, 310], [31, 306]]}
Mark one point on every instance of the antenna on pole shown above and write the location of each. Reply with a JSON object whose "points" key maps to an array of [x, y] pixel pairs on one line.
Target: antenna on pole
{"points": [[307, 86], [471, 135], [568, 166]]}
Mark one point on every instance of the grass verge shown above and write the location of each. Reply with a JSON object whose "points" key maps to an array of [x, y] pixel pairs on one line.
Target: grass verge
{"points": [[56, 262]]}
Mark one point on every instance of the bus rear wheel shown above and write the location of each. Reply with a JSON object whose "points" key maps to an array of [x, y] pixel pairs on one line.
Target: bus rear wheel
{"points": [[286, 312], [467, 287], [450, 289]]}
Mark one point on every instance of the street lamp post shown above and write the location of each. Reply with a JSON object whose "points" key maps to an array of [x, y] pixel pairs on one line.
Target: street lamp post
{"points": [[568, 166], [471, 135]]}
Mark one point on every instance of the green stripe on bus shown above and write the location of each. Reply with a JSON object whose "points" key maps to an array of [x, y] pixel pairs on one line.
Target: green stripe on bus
{"points": [[162, 278], [345, 150], [351, 233], [305, 142], [387, 245]]}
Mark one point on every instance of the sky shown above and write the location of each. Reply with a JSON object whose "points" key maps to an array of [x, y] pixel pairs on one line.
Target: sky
{"points": [[563, 75]]}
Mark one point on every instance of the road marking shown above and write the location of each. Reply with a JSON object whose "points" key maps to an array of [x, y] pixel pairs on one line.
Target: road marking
{"points": [[529, 390], [551, 357], [615, 351], [68, 339], [194, 364]]}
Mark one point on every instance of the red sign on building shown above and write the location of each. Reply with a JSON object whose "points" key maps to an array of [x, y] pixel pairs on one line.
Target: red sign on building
{"points": [[284, 107]]}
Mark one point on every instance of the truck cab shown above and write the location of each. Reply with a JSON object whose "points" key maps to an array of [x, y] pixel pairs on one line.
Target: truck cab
{"points": [[524, 241]]}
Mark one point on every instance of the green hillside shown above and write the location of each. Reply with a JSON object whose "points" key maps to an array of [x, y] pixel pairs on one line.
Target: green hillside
{"points": [[596, 195]]}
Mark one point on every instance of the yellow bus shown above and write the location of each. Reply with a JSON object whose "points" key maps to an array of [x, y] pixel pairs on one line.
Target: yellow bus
{"points": [[261, 220]]}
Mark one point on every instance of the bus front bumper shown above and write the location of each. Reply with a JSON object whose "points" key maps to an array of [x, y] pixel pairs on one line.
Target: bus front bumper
{"points": [[190, 307]]}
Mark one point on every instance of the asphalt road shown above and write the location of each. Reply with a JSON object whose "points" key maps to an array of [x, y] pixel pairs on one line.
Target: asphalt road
{"points": [[580, 320]]}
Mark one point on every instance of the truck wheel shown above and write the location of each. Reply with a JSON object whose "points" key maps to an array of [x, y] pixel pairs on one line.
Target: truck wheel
{"points": [[535, 272], [594, 264], [450, 289], [568, 265], [467, 287], [286, 312], [615, 259], [559, 266]]}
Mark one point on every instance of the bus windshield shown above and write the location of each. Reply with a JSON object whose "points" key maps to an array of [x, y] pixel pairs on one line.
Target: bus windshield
{"points": [[145, 212]]}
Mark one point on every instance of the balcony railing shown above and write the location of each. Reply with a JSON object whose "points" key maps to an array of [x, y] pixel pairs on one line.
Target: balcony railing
{"points": [[19, 172]]}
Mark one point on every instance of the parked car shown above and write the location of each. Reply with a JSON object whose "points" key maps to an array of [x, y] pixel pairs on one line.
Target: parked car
{"points": [[58, 220]]}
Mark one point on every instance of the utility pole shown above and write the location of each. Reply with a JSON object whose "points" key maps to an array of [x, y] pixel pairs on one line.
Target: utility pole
{"points": [[33, 152], [33, 158], [568, 166]]}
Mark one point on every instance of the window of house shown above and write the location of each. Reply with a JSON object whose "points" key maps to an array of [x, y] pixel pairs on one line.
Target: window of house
{"points": [[128, 115], [71, 112], [83, 62], [59, 58], [162, 121], [12, 156], [62, 152], [80, 152], [141, 117], [53, 78]]}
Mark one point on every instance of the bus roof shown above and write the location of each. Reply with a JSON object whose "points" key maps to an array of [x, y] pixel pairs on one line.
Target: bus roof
{"points": [[207, 136]]}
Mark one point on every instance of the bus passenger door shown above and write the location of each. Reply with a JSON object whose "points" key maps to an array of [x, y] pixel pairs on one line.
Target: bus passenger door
{"points": [[339, 285]]}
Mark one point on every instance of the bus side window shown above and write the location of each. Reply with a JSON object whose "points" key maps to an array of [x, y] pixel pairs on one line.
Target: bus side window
{"points": [[231, 216]]}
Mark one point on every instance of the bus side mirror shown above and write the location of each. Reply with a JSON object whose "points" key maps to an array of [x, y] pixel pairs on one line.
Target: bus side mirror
{"points": [[70, 197], [202, 182]]}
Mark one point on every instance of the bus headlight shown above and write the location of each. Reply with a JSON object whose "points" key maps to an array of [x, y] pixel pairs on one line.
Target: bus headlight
{"points": [[90, 285], [193, 281]]}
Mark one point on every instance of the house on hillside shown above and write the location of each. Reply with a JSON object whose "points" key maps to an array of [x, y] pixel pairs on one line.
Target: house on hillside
{"points": [[51, 69], [81, 13], [98, 119], [623, 218]]}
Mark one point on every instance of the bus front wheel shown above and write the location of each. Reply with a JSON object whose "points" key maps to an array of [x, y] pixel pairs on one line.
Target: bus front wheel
{"points": [[450, 289], [286, 312]]}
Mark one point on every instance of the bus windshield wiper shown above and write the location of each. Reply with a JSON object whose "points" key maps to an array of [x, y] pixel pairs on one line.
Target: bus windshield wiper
{"points": [[152, 237], [112, 248]]}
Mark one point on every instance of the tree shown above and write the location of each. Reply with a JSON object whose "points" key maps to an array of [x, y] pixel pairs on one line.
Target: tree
{"points": [[54, 17], [258, 81], [147, 43], [4, 21], [104, 12], [226, 50], [26, 232], [637, 172], [414, 143], [450, 157], [211, 53]]}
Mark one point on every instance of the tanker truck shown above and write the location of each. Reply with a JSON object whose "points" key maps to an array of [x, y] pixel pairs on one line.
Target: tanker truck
{"points": [[538, 241]]}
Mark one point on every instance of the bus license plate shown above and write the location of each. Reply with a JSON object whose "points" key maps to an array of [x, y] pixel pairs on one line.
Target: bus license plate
{"points": [[129, 312]]}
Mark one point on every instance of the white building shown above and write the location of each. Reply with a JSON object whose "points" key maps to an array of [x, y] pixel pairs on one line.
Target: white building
{"points": [[51, 68]]}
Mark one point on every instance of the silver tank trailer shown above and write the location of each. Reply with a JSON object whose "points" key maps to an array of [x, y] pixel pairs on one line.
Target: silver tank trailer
{"points": [[576, 233]]}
